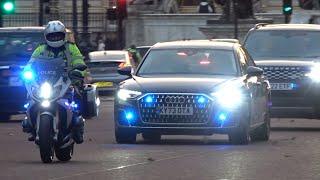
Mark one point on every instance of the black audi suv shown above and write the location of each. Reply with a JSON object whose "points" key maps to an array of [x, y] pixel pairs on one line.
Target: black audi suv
{"points": [[197, 87], [289, 54]]}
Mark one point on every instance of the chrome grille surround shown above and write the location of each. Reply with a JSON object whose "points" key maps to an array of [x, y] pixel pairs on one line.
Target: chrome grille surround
{"points": [[149, 112], [284, 72]]}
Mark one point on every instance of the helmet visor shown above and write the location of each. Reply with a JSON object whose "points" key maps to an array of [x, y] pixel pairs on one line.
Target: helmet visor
{"points": [[58, 36]]}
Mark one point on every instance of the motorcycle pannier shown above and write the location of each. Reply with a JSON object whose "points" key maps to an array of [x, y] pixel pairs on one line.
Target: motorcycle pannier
{"points": [[90, 102]]}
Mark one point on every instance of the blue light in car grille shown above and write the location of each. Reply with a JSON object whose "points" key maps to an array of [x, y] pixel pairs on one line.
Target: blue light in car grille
{"points": [[149, 99], [201, 100], [222, 116]]}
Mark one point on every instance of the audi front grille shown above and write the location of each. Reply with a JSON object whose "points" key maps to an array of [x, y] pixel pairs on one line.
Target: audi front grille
{"points": [[150, 112]]}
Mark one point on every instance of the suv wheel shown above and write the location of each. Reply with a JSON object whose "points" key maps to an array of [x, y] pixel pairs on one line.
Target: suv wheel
{"points": [[240, 136]]}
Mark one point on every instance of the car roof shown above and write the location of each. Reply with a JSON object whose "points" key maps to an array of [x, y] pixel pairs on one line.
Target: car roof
{"points": [[25, 29], [99, 55], [196, 44], [308, 27]]}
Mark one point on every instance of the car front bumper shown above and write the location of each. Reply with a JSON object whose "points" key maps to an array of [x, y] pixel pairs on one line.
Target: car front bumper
{"points": [[213, 124], [304, 100]]}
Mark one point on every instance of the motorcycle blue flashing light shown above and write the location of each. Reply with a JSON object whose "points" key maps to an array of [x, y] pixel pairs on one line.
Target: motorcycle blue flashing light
{"points": [[28, 75], [26, 105]]}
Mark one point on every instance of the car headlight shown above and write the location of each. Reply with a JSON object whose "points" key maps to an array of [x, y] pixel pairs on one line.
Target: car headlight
{"points": [[228, 97], [45, 91], [314, 73], [124, 94]]}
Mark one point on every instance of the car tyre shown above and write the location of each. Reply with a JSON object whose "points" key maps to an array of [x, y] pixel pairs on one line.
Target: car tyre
{"points": [[240, 136], [125, 136], [64, 154], [262, 133], [152, 137]]}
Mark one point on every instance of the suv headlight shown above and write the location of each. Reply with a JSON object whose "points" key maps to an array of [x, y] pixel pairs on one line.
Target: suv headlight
{"points": [[228, 97], [314, 73], [124, 94], [45, 91]]}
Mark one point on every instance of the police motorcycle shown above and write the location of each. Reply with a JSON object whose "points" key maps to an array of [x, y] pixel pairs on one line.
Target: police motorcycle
{"points": [[53, 111]]}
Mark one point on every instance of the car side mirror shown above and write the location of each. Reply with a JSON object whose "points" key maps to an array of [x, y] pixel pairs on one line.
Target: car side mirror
{"points": [[76, 75], [254, 71], [80, 67], [125, 71]]}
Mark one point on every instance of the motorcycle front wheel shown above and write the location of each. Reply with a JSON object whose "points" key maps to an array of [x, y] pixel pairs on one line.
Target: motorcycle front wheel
{"points": [[46, 138]]}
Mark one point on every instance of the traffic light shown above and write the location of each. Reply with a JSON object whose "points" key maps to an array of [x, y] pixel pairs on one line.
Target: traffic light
{"points": [[122, 9], [7, 6], [287, 7]]}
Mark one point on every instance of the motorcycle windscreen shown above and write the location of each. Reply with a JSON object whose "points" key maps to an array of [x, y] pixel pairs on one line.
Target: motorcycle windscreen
{"points": [[49, 70]]}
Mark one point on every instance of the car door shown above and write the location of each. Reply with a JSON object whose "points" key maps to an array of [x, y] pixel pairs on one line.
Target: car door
{"points": [[261, 90]]}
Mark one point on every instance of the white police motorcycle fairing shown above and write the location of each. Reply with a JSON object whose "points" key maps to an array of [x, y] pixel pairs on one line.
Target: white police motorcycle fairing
{"points": [[53, 111]]}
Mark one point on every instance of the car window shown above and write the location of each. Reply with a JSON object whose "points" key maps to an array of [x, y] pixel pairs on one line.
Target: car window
{"points": [[189, 61], [19, 46], [277, 44]]}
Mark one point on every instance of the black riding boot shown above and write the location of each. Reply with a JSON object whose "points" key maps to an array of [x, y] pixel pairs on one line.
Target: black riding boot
{"points": [[27, 128], [78, 129]]}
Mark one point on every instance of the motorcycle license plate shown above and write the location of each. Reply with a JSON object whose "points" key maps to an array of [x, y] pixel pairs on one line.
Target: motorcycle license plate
{"points": [[184, 111], [282, 86], [15, 81]]}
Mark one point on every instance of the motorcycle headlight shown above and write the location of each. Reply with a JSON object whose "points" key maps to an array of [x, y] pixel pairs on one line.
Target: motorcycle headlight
{"points": [[314, 73], [45, 91], [124, 94], [228, 97]]}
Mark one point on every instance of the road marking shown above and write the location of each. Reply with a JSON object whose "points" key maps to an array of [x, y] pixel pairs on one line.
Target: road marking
{"points": [[136, 164]]}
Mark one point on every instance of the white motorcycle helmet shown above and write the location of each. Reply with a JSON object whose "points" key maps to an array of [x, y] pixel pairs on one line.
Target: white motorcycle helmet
{"points": [[55, 34]]}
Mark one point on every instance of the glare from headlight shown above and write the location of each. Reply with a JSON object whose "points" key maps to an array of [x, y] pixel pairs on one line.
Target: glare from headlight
{"points": [[46, 90], [45, 104], [124, 94], [314, 73], [228, 97]]}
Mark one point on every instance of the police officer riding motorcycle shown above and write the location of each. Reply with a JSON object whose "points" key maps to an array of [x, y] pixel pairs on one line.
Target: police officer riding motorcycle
{"points": [[54, 79]]}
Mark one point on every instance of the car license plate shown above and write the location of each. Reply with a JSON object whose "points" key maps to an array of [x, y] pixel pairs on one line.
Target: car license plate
{"points": [[15, 81], [281, 86], [104, 84], [185, 111]]}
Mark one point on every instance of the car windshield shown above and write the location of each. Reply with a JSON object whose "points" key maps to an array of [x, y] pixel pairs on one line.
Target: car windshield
{"points": [[18, 47], [276, 44], [189, 61]]}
